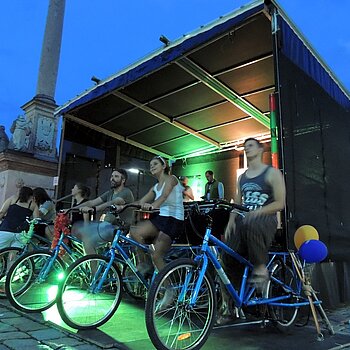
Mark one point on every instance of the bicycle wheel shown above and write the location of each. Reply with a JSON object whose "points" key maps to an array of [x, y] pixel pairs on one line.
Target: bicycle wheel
{"points": [[286, 283], [7, 257], [172, 323], [32, 282], [81, 304]]}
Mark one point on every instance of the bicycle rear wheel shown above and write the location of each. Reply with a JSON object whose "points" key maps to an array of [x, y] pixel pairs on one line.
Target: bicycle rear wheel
{"points": [[286, 283], [132, 284], [33, 279], [172, 323], [7, 257], [80, 303]]}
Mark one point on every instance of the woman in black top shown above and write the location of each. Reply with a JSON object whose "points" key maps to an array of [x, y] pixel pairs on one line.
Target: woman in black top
{"points": [[81, 194], [14, 213]]}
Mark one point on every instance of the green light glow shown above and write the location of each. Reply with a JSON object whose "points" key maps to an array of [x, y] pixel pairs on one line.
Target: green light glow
{"points": [[52, 292], [60, 276]]}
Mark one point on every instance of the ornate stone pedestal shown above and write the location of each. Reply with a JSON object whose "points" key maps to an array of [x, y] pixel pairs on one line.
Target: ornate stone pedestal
{"points": [[40, 113], [35, 173]]}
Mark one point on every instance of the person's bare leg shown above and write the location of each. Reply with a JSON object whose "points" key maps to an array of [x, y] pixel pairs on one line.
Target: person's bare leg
{"points": [[142, 233], [161, 246]]}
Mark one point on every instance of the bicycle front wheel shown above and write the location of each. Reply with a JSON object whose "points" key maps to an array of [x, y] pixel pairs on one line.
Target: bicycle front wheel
{"points": [[284, 282], [7, 257], [33, 279], [90, 294], [171, 321]]}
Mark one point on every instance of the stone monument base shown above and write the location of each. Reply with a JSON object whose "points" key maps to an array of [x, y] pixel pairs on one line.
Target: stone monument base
{"points": [[35, 172]]}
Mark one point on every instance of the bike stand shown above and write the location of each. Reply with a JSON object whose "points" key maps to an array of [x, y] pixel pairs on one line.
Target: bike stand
{"points": [[312, 298]]}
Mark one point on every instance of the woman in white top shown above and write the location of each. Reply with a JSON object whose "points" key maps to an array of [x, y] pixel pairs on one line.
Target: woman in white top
{"points": [[163, 227]]}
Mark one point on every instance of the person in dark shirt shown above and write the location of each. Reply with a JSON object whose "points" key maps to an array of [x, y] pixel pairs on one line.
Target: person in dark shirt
{"points": [[213, 189], [14, 213], [81, 194], [261, 189]]}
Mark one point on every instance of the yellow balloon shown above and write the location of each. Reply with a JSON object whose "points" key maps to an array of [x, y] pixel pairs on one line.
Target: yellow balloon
{"points": [[305, 233]]}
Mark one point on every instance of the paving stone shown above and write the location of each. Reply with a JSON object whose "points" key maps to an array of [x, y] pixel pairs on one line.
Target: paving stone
{"points": [[3, 347], [7, 328], [63, 342], [24, 324], [87, 347], [13, 335], [47, 334], [21, 344], [9, 314]]}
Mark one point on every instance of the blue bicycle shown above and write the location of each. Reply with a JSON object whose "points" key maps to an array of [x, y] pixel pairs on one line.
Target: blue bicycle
{"points": [[182, 301], [92, 289], [32, 281], [29, 241]]}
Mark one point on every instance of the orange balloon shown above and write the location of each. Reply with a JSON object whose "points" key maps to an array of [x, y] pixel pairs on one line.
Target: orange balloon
{"points": [[305, 233]]}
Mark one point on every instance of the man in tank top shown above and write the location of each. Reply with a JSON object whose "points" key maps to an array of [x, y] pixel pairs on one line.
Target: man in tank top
{"points": [[261, 189]]}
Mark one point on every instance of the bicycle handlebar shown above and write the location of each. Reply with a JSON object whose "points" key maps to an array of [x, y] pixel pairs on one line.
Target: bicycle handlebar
{"points": [[219, 204], [231, 205], [38, 221], [67, 211], [114, 207]]}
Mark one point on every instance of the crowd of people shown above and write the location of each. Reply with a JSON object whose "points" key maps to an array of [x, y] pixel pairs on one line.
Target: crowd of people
{"points": [[261, 189]]}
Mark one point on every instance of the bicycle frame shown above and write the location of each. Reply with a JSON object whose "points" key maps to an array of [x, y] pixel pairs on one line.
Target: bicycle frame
{"points": [[245, 295], [112, 253], [119, 247], [46, 269]]}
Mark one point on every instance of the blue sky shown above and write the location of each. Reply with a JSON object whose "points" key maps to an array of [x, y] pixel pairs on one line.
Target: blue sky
{"points": [[102, 37]]}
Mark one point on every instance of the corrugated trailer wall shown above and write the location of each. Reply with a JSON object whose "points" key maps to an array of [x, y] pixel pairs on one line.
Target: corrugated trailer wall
{"points": [[316, 130]]}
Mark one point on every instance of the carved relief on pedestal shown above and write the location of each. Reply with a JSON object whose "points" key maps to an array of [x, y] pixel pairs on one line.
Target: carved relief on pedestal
{"points": [[21, 130], [45, 135]]}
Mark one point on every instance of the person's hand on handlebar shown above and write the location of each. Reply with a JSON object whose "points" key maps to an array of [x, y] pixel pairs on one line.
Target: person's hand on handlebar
{"points": [[118, 207], [147, 206], [86, 210]]}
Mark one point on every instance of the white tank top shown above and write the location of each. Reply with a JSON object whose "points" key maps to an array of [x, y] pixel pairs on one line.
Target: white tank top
{"points": [[173, 205]]}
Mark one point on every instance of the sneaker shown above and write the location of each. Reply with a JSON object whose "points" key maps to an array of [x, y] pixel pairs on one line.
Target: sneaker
{"points": [[167, 299], [223, 320]]}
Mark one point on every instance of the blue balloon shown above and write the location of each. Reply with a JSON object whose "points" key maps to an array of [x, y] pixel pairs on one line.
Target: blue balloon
{"points": [[313, 251]]}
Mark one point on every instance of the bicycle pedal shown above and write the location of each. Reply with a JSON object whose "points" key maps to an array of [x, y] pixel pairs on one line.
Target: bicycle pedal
{"points": [[239, 313]]}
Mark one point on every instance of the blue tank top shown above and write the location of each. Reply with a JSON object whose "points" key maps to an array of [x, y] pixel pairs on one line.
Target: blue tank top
{"points": [[256, 192]]}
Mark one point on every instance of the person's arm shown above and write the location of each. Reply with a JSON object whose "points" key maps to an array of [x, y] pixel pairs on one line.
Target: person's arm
{"points": [[170, 183], [36, 212], [189, 193], [231, 225], [221, 190], [5, 207], [90, 203], [146, 199]]}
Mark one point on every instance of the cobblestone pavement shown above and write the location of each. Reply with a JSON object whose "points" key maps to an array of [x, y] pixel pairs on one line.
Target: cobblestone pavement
{"points": [[19, 331]]}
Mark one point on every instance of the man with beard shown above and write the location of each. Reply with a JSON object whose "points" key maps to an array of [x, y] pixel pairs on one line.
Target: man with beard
{"points": [[94, 234]]}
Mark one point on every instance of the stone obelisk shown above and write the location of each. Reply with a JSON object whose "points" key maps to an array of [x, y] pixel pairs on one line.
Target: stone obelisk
{"points": [[31, 156], [40, 110]]}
